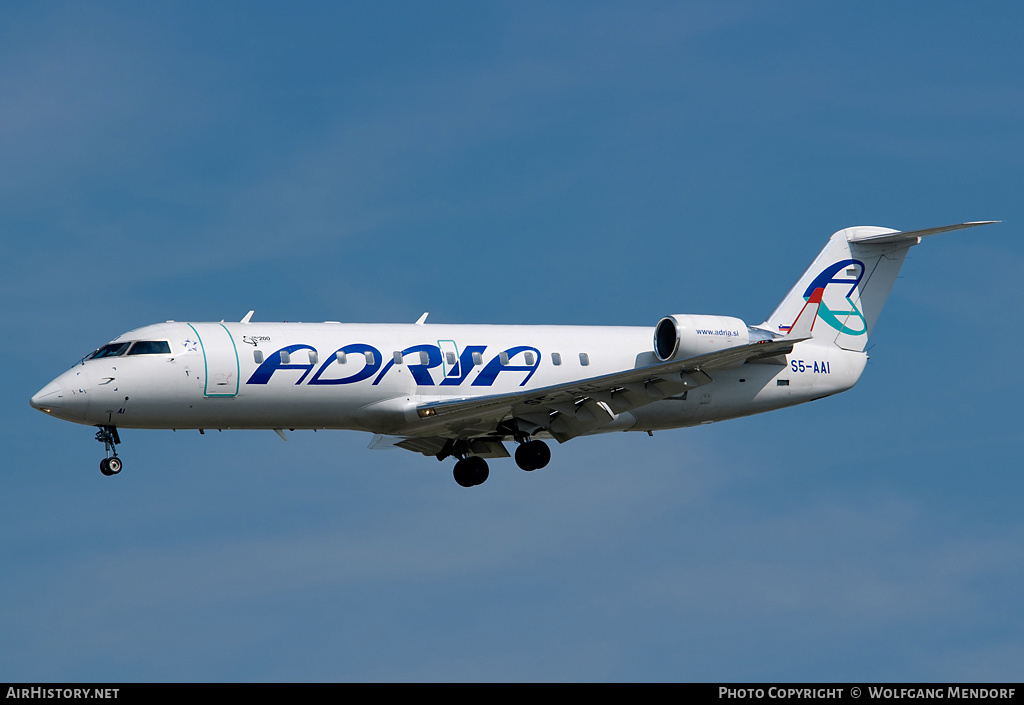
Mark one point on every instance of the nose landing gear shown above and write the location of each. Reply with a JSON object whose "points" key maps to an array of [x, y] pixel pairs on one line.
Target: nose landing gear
{"points": [[107, 435]]}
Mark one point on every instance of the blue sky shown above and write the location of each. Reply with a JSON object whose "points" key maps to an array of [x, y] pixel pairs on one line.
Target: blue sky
{"points": [[514, 163]]}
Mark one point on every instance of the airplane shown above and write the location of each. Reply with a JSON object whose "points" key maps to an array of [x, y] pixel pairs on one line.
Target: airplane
{"points": [[464, 391]]}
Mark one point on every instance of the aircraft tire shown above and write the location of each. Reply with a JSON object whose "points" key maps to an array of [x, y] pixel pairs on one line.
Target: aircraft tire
{"points": [[524, 458], [533, 455], [463, 473], [114, 465], [105, 467], [480, 470], [541, 454], [471, 471]]}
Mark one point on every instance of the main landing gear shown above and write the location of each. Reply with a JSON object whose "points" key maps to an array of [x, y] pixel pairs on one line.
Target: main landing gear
{"points": [[472, 470], [532, 455], [107, 435]]}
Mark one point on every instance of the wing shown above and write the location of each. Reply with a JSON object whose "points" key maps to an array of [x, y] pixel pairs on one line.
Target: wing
{"points": [[574, 408]]}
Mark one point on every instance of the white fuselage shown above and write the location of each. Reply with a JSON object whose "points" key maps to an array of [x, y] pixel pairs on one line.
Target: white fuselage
{"points": [[232, 375]]}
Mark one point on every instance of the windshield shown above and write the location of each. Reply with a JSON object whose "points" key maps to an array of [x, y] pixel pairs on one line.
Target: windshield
{"points": [[150, 347], [109, 350]]}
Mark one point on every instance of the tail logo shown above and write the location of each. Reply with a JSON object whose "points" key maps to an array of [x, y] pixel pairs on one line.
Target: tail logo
{"points": [[847, 271]]}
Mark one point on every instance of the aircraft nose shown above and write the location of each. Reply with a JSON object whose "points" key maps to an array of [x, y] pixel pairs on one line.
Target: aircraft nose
{"points": [[49, 397]]}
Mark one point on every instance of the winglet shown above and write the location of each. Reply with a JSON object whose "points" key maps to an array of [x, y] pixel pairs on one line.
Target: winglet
{"points": [[248, 317], [422, 319], [804, 323]]}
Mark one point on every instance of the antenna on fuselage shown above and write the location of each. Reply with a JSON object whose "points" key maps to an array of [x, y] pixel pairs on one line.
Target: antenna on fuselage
{"points": [[248, 317], [422, 319]]}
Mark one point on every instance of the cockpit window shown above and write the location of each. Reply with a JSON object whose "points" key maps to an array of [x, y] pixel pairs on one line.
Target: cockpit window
{"points": [[109, 350], [150, 347]]}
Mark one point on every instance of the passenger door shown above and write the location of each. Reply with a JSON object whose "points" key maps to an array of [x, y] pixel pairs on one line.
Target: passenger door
{"points": [[220, 359]]}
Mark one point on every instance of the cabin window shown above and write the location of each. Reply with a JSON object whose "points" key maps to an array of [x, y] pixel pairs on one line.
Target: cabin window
{"points": [[503, 357], [478, 358], [285, 357], [528, 357], [150, 347], [397, 357], [257, 356], [424, 357], [782, 383], [109, 350], [584, 359], [313, 357], [556, 358], [369, 358], [450, 358], [342, 357]]}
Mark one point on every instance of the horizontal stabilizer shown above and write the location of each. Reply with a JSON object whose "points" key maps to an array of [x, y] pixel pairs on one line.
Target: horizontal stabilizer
{"points": [[884, 238]]}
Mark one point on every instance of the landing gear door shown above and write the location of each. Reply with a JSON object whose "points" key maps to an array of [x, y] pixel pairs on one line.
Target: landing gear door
{"points": [[449, 358], [220, 359]]}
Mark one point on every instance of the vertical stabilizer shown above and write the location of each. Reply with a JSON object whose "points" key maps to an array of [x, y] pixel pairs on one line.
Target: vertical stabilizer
{"points": [[853, 276]]}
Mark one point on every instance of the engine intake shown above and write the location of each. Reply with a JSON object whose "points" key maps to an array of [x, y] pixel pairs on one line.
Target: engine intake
{"points": [[680, 336]]}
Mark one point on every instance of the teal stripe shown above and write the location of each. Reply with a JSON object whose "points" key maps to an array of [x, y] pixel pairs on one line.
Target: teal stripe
{"points": [[206, 364]]}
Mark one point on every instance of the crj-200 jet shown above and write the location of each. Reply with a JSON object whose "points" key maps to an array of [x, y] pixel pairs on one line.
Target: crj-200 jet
{"points": [[463, 391]]}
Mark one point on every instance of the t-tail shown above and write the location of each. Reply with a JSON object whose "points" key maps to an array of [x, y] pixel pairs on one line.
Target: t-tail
{"points": [[852, 278]]}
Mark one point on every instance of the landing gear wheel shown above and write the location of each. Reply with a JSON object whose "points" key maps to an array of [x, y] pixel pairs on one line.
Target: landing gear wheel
{"points": [[462, 474], [523, 459], [114, 465], [533, 455], [471, 471], [105, 467], [480, 471]]}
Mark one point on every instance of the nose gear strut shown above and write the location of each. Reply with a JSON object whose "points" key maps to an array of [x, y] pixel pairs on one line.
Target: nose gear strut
{"points": [[107, 435]]}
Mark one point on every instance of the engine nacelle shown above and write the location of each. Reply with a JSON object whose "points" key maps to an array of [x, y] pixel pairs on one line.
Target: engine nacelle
{"points": [[682, 335]]}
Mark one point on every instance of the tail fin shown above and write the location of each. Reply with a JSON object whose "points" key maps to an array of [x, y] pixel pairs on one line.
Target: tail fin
{"points": [[853, 275]]}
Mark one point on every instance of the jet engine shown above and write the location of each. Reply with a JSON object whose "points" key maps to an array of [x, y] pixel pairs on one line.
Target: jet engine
{"points": [[681, 336]]}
